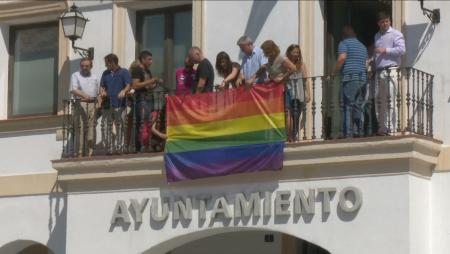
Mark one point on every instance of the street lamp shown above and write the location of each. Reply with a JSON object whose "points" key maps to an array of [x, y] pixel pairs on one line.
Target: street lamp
{"points": [[73, 23]]}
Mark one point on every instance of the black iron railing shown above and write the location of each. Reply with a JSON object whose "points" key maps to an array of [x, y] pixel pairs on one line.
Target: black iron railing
{"points": [[393, 101], [101, 126]]}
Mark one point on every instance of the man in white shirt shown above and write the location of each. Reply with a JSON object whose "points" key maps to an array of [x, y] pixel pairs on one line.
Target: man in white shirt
{"points": [[84, 86], [389, 48]]}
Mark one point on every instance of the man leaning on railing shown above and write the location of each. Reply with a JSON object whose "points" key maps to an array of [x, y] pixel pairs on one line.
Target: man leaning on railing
{"points": [[84, 87], [143, 83], [114, 85]]}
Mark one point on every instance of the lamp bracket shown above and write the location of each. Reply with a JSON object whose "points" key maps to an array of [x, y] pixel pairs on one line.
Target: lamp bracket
{"points": [[433, 15], [89, 53]]}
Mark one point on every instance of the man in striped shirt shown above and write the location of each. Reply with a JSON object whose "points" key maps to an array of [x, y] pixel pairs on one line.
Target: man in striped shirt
{"points": [[352, 66]]}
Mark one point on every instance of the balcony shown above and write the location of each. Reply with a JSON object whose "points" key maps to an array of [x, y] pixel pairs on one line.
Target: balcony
{"points": [[317, 134]]}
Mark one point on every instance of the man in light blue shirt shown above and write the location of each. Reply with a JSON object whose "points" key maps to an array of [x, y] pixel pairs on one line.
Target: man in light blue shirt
{"points": [[253, 59], [389, 48], [389, 44]]}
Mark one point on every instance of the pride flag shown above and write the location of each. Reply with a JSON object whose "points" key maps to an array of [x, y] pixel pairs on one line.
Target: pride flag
{"points": [[229, 132]]}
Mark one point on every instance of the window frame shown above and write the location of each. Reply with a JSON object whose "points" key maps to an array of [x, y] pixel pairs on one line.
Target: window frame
{"points": [[11, 50], [169, 13]]}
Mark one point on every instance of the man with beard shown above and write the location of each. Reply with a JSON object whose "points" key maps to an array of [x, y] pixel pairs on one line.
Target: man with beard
{"points": [[84, 87]]}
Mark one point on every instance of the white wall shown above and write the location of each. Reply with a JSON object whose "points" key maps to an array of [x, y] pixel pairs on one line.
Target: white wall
{"points": [[380, 226], [4, 62], [39, 218], [420, 207], [427, 50], [226, 21], [97, 34], [28, 152], [440, 226]]}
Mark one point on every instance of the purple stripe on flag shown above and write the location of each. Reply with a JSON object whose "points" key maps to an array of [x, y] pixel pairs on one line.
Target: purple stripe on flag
{"points": [[223, 161]]}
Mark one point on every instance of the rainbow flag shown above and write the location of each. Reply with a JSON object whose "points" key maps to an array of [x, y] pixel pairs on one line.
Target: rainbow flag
{"points": [[222, 133]]}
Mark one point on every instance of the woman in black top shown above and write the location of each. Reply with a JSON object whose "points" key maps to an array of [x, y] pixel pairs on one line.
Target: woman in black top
{"points": [[230, 71]]}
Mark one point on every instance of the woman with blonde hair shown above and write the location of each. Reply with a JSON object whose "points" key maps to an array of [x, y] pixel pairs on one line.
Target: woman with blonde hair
{"points": [[297, 93], [278, 68]]}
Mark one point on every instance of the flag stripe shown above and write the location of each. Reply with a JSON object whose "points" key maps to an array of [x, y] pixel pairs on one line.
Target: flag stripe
{"points": [[223, 133], [224, 112], [255, 137], [224, 161], [227, 127], [204, 102]]}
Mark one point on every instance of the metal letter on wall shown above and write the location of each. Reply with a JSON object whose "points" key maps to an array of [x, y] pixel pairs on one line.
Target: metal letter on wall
{"points": [[246, 207], [138, 209], [326, 198], [343, 204], [120, 212], [282, 203], [184, 208], [303, 205], [221, 207], [154, 210]]}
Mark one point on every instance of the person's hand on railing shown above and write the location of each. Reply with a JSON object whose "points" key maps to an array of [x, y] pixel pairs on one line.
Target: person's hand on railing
{"points": [[122, 94], [307, 98], [99, 101], [102, 92], [277, 79]]}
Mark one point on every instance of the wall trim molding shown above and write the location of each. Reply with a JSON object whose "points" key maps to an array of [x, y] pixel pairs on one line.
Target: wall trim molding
{"points": [[20, 9], [407, 155], [29, 184], [198, 14]]}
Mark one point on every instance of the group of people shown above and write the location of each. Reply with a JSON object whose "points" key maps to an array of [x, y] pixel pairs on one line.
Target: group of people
{"points": [[353, 64], [109, 96], [259, 65]]}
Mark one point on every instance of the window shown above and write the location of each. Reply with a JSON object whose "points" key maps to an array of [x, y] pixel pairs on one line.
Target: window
{"points": [[167, 33], [33, 70]]}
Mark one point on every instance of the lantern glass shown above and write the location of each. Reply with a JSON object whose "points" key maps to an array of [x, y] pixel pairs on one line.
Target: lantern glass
{"points": [[69, 26], [73, 23], [79, 27]]}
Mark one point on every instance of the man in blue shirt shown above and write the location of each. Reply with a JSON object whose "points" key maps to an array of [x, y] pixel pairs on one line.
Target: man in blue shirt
{"points": [[114, 85], [352, 66], [252, 61]]}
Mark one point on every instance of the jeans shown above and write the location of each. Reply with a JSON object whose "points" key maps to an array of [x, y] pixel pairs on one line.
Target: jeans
{"points": [[353, 93], [113, 129], [143, 109]]}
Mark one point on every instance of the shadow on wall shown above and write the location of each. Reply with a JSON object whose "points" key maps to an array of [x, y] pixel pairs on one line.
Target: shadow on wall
{"points": [[258, 16], [418, 39], [57, 222]]}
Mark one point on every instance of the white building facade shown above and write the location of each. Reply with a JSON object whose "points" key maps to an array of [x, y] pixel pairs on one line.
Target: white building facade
{"points": [[366, 195]]}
